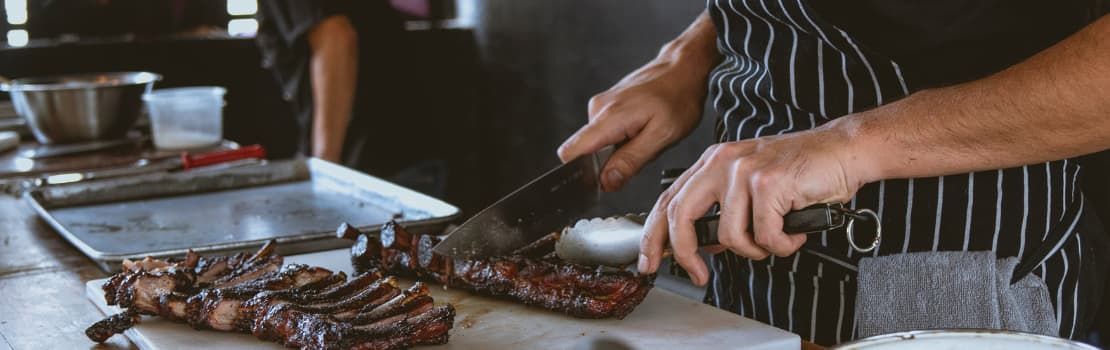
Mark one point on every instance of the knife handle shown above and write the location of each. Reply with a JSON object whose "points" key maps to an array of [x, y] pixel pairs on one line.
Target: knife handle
{"points": [[811, 219]]}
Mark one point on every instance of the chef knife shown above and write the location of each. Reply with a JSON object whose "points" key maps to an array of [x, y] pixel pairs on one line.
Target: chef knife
{"points": [[542, 206]]}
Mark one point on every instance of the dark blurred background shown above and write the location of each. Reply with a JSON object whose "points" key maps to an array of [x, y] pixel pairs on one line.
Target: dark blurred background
{"points": [[491, 87]]}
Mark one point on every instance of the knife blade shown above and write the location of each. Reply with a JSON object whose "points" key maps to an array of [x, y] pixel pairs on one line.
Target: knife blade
{"points": [[547, 204]]}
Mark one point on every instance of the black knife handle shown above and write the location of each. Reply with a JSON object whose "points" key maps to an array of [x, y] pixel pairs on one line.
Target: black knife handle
{"points": [[811, 219]]}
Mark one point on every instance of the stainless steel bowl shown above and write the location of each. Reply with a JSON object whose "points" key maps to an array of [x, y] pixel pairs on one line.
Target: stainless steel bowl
{"points": [[80, 107]]}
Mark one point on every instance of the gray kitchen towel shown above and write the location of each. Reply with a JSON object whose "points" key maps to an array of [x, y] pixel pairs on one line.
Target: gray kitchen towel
{"points": [[1026, 305], [930, 290]]}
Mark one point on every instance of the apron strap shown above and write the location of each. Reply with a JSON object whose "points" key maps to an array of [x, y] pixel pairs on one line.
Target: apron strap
{"points": [[1055, 240]]}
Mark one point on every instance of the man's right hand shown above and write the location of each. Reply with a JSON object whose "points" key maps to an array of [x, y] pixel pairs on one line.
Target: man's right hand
{"points": [[650, 109]]}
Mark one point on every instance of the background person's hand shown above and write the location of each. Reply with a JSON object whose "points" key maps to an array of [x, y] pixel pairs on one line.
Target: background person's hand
{"points": [[758, 181]]}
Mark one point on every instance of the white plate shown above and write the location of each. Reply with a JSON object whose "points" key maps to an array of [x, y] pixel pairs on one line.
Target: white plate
{"points": [[978, 339]]}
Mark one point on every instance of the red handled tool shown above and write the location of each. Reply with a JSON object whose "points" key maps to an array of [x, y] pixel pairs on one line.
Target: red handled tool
{"points": [[189, 161], [186, 161]]}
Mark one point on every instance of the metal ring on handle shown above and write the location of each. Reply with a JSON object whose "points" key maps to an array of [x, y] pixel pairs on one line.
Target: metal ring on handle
{"points": [[878, 231]]}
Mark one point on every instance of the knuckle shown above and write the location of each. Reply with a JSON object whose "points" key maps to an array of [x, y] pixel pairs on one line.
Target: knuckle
{"points": [[764, 179], [673, 210], [712, 148], [732, 241], [597, 100], [597, 106], [666, 196], [707, 153], [727, 239], [716, 156], [722, 154], [764, 240]]}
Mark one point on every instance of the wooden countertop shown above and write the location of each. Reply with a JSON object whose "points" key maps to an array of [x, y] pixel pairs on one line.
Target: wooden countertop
{"points": [[42, 283]]}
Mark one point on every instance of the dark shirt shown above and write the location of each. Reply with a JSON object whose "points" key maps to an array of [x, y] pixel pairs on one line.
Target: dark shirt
{"points": [[283, 31], [942, 42]]}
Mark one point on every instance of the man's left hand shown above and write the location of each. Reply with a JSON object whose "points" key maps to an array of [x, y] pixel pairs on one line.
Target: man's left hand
{"points": [[757, 181]]}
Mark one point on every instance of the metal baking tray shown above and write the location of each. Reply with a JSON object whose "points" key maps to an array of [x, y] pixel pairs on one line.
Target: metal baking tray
{"points": [[299, 203]]}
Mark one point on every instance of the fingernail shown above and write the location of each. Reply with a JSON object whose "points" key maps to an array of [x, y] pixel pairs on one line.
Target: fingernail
{"points": [[614, 177], [642, 265]]}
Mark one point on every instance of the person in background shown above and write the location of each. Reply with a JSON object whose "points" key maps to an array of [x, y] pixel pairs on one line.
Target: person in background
{"points": [[324, 54]]}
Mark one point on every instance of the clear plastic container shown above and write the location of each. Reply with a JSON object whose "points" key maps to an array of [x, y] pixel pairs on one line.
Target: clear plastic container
{"points": [[186, 118]]}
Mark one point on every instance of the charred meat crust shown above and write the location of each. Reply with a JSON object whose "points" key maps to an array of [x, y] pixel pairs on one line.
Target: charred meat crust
{"points": [[219, 308], [294, 305], [408, 319], [529, 276], [112, 325]]}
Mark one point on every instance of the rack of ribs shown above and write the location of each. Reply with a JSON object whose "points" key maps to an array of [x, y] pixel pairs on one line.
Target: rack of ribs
{"points": [[294, 305], [531, 275]]}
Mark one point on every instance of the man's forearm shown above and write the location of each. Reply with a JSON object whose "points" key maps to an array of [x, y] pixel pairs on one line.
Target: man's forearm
{"points": [[1052, 106], [334, 70]]}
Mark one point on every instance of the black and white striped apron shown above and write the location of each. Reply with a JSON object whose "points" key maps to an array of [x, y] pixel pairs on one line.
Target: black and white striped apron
{"points": [[784, 70]]}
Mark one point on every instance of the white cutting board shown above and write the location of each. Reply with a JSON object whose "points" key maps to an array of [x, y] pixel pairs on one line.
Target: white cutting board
{"points": [[663, 321]]}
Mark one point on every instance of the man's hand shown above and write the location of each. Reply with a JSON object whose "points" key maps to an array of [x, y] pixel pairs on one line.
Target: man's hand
{"points": [[1049, 107], [643, 110], [757, 181], [649, 109]]}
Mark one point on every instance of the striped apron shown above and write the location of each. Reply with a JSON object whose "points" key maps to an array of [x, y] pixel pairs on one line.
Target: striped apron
{"points": [[784, 70]]}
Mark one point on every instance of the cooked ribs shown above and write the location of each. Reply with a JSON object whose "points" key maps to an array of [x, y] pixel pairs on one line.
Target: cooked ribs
{"points": [[532, 275], [294, 305]]}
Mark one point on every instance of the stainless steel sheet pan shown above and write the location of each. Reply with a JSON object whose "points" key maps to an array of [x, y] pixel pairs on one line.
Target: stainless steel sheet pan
{"points": [[297, 202]]}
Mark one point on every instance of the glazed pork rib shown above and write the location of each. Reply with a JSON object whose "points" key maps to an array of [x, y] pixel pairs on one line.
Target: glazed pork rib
{"points": [[294, 305], [532, 275], [389, 319]]}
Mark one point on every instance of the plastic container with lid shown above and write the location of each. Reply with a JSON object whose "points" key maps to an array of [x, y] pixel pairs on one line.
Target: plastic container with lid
{"points": [[186, 118]]}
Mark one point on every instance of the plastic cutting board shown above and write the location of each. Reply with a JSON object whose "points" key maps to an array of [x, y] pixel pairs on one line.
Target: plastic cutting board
{"points": [[663, 321]]}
